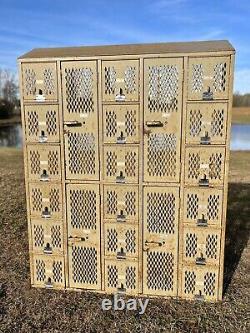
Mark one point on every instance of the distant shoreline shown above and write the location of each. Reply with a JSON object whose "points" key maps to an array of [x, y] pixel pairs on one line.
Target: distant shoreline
{"points": [[10, 121]]}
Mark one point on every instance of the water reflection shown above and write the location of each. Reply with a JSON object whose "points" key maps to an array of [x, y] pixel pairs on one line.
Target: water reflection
{"points": [[11, 136]]}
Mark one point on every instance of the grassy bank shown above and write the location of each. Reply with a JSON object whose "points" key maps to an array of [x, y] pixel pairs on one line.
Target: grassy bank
{"points": [[23, 309], [241, 115]]}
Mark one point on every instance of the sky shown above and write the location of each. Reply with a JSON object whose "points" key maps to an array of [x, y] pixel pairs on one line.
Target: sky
{"points": [[28, 24]]}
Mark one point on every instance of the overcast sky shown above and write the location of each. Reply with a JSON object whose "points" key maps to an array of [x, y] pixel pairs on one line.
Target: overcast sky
{"points": [[27, 24]]}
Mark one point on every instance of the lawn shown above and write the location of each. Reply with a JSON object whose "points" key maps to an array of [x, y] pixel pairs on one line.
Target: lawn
{"points": [[241, 115], [25, 309]]}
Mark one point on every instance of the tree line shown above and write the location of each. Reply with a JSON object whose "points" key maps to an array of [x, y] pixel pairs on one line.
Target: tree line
{"points": [[9, 100]]}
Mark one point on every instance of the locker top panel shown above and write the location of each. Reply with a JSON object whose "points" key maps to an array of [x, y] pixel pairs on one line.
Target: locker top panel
{"points": [[130, 49]]}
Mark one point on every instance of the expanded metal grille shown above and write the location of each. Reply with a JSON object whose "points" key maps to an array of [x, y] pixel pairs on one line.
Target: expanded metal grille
{"points": [[208, 78], [160, 271], [162, 155], [206, 123], [121, 165], [45, 201], [200, 283], [48, 271], [84, 265], [121, 240], [204, 166], [44, 163], [121, 276], [120, 80], [39, 79], [121, 124]]}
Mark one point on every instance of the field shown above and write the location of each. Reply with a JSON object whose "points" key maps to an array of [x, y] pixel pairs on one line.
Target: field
{"points": [[241, 115], [23, 309]]}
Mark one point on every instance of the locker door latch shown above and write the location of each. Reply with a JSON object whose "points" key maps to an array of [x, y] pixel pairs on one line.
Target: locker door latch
{"points": [[44, 177], [205, 140], [149, 244], [121, 217], [43, 138], [120, 97], [47, 249], [46, 213], [204, 181], [199, 297], [121, 139], [154, 123], [202, 222], [207, 95], [48, 283], [200, 260], [120, 178]]}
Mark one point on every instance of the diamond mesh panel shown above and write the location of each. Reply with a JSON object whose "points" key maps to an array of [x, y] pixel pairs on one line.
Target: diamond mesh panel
{"points": [[217, 123], [209, 283], [57, 271], [130, 122], [34, 162], [160, 271], [163, 88], [112, 240], [193, 165], [213, 207], [161, 210], [56, 236], [215, 166], [162, 155], [192, 206], [40, 273], [191, 245], [189, 282], [38, 236], [130, 241], [49, 82], [111, 202], [111, 159], [32, 123], [79, 90], [112, 276], [82, 153], [83, 209], [195, 122], [111, 123], [53, 162], [84, 265], [130, 163], [212, 246], [36, 199], [51, 122], [130, 79], [29, 82], [197, 77], [219, 78], [130, 277], [110, 80]]}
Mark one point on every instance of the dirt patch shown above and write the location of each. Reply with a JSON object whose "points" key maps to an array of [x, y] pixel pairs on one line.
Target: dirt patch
{"points": [[23, 309]]}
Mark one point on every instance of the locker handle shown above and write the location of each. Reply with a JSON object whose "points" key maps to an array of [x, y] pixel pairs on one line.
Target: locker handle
{"points": [[47, 249], [120, 178], [73, 123], [200, 261], [78, 239], [153, 243], [46, 213], [204, 181], [202, 222], [154, 123], [44, 177], [48, 284], [43, 138], [199, 297], [121, 290], [121, 217], [205, 140], [207, 95]]}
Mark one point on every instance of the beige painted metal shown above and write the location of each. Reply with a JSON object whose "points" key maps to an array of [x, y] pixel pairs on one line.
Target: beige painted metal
{"points": [[121, 276], [48, 271], [44, 163], [121, 123], [206, 123], [121, 240], [83, 211], [199, 283], [84, 262], [204, 166], [202, 206], [201, 246], [39, 82], [208, 78], [121, 164], [47, 236], [162, 119], [120, 81], [121, 203], [42, 123], [45, 200]]}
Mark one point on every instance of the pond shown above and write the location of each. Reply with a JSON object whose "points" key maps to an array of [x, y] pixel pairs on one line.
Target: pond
{"points": [[11, 136]]}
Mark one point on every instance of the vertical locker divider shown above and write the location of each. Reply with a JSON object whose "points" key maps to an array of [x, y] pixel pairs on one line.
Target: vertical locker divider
{"points": [[101, 171], [25, 161], [63, 183], [226, 174], [182, 169], [140, 208]]}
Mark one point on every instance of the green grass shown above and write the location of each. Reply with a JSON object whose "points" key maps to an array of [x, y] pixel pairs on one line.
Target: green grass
{"points": [[241, 115]]}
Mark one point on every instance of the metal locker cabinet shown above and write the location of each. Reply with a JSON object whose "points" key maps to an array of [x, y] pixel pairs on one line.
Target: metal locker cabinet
{"points": [[126, 151]]}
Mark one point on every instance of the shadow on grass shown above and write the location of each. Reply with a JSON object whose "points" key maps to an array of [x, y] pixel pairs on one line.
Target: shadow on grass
{"points": [[237, 230]]}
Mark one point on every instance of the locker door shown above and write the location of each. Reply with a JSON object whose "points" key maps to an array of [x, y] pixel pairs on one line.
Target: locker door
{"points": [[208, 78], [120, 80], [80, 112], [83, 216], [160, 240], [39, 81], [163, 79]]}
